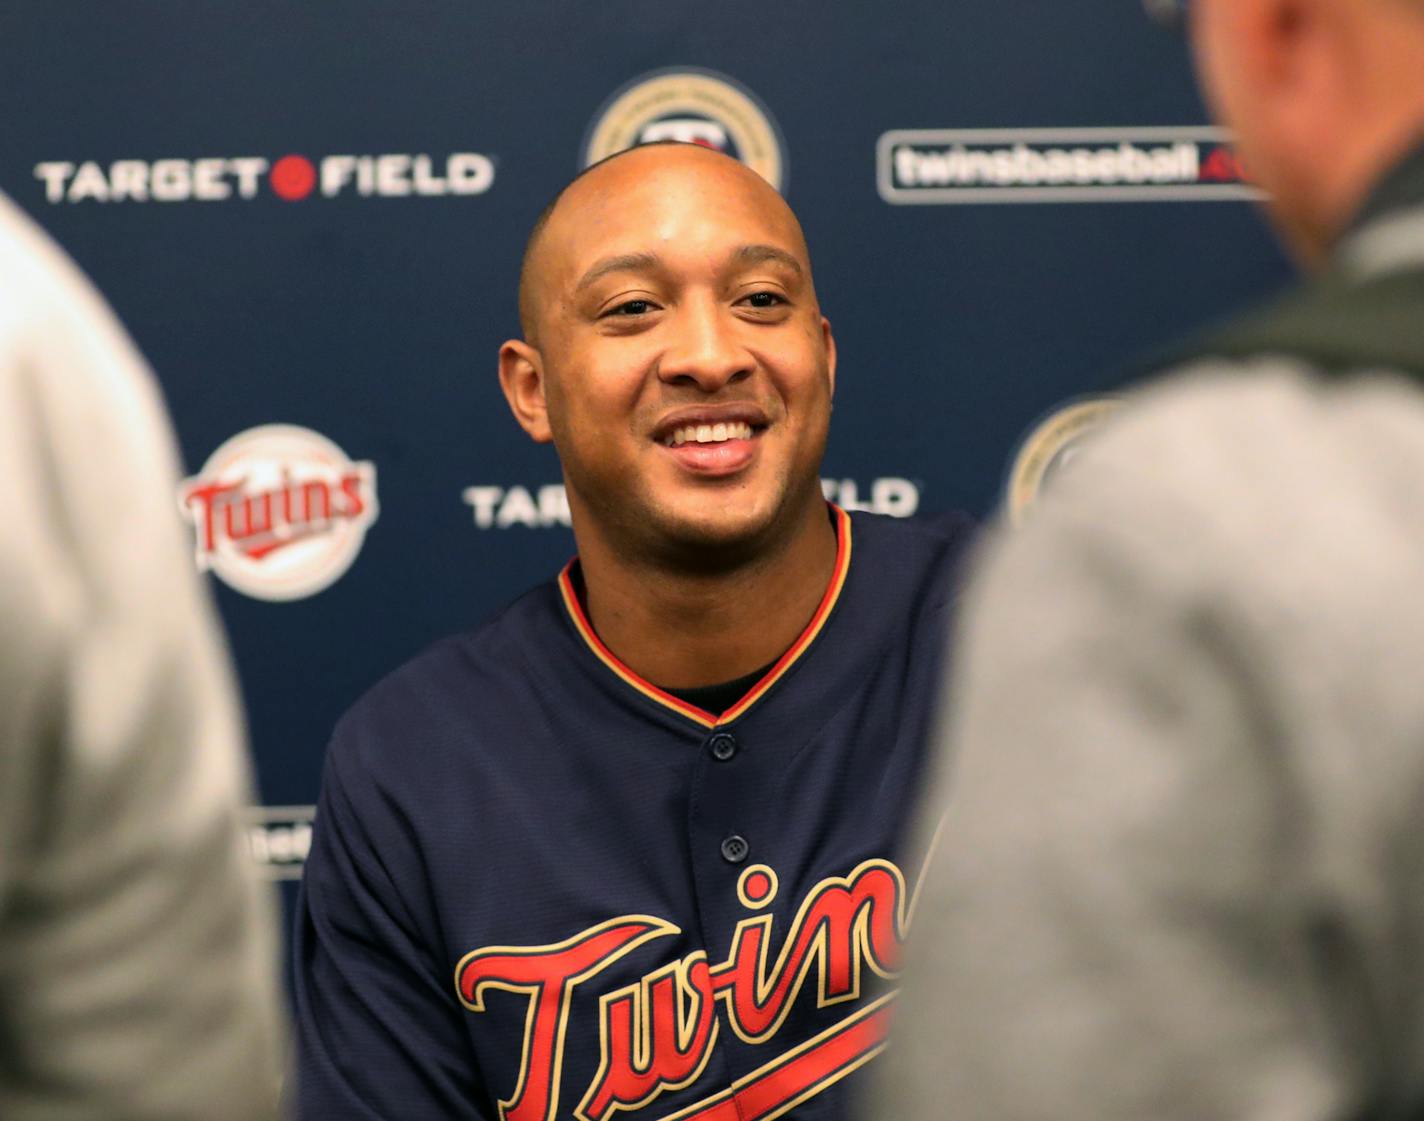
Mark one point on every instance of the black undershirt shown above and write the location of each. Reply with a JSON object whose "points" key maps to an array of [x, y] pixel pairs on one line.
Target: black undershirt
{"points": [[717, 699]]}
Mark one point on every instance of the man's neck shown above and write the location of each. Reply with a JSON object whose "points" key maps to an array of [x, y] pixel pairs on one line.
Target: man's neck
{"points": [[683, 629], [1348, 194]]}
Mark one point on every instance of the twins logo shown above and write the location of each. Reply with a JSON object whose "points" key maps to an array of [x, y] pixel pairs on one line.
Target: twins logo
{"points": [[691, 106], [279, 512], [657, 1034]]}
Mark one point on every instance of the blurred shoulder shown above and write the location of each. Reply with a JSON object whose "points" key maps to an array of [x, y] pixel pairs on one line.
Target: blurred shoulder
{"points": [[1261, 471], [1251, 433]]}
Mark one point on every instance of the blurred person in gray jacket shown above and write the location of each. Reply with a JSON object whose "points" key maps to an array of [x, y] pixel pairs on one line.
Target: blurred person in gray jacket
{"points": [[138, 967], [1180, 871]]}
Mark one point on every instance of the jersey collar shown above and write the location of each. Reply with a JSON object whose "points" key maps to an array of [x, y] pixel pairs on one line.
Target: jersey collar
{"points": [[757, 691]]}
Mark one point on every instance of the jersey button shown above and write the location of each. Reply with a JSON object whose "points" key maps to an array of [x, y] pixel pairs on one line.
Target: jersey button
{"points": [[723, 746], [735, 849]]}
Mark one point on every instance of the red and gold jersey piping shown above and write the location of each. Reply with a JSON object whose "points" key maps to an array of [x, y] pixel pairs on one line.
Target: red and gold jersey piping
{"points": [[783, 664]]}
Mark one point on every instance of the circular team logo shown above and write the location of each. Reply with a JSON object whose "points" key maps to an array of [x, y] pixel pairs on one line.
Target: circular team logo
{"points": [[1049, 447], [695, 107], [279, 512]]}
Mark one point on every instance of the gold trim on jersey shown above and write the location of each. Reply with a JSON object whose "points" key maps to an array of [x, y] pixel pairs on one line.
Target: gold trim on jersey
{"points": [[773, 675]]}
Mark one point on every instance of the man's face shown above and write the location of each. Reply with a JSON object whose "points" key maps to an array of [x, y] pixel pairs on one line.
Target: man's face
{"points": [[687, 369]]}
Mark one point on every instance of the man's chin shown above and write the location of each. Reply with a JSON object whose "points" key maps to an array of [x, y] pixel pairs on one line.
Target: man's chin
{"points": [[713, 533]]}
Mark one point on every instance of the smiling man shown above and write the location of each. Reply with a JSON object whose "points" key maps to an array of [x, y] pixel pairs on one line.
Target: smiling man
{"points": [[634, 846]]}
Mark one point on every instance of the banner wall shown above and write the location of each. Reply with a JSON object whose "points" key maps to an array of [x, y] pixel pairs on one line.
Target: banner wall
{"points": [[310, 217]]}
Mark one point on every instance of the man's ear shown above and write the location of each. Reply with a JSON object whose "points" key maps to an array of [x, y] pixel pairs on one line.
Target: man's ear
{"points": [[830, 341], [1285, 41], [521, 376]]}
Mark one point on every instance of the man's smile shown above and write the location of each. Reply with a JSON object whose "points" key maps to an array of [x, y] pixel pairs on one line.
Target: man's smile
{"points": [[708, 434], [713, 440]]}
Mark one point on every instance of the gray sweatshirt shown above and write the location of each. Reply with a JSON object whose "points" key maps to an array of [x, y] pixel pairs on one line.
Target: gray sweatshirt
{"points": [[138, 975], [1180, 866]]}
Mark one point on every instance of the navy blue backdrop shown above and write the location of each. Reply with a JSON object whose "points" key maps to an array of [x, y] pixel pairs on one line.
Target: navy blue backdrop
{"points": [[311, 215]]}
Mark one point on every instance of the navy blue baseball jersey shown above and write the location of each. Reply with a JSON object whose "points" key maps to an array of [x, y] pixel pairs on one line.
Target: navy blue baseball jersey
{"points": [[541, 887]]}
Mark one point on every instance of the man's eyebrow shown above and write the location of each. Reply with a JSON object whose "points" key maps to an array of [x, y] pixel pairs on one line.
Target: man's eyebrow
{"points": [[759, 254], [623, 262]]}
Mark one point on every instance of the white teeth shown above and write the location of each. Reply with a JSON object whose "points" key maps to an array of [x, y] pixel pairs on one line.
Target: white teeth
{"points": [[709, 433]]}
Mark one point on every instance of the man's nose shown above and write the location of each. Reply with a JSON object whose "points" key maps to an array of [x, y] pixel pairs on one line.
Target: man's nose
{"points": [[704, 348]]}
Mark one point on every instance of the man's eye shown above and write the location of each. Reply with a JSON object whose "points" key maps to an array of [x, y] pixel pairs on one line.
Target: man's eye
{"points": [[764, 299], [632, 307]]}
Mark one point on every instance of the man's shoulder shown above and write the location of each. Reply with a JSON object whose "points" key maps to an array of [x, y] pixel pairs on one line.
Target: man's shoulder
{"points": [[1241, 470], [456, 681], [903, 566], [938, 533], [1279, 402], [900, 548], [43, 292], [1263, 408], [1338, 323]]}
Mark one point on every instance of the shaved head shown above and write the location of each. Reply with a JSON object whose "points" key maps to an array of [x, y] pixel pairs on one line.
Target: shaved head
{"points": [[658, 154]]}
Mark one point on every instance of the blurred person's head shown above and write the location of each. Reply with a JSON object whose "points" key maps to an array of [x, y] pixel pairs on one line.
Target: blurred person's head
{"points": [[1323, 95]]}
